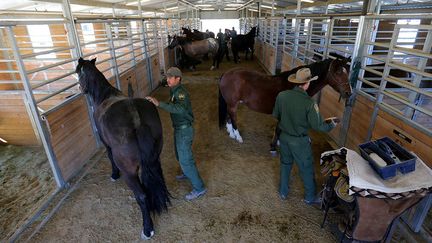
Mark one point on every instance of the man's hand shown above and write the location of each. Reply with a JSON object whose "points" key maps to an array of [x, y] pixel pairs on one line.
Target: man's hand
{"points": [[152, 100], [333, 120]]}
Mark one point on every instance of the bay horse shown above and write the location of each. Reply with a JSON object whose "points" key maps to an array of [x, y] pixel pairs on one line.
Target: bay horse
{"points": [[131, 130], [197, 49], [258, 91], [243, 43]]}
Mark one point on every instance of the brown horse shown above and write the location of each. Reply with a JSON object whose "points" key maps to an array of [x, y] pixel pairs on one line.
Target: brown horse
{"points": [[258, 91]]}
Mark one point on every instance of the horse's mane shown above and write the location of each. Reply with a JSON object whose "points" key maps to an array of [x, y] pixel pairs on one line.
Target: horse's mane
{"points": [[95, 82]]}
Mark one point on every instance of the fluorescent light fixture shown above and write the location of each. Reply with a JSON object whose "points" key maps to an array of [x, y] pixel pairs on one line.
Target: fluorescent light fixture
{"points": [[265, 6], [172, 8], [207, 9], [204, 5], [253, 10], [229, 9], [307, 1], [234, 5], [136, 2]]}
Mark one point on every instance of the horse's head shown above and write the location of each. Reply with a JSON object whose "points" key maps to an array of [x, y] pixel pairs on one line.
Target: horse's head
{"points": [[173, 42], [186, 30], [83, 70], [338, 77]]}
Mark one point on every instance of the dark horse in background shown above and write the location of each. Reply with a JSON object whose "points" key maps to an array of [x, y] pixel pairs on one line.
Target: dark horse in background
{"points": [[243, 43], [196, 34], [197, 49], [373, 77], [258, 91], [131, 130]]}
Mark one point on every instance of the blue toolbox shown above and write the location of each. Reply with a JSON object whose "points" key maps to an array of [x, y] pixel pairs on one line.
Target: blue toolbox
{"points": [[387, 157]]}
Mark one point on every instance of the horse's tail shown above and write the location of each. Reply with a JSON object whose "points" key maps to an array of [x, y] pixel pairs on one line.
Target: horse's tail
{"points": [[222, 108], [152, 178]]}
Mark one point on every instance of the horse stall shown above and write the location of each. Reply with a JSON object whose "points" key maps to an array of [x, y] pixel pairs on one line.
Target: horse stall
{"points": [[269, 43], [391, 79], [41, 104]]}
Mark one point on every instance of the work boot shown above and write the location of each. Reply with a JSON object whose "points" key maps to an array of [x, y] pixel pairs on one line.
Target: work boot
{"points": [[195, 194]]}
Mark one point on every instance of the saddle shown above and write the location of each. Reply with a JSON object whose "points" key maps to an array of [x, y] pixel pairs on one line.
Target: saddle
{"points": [[367, 214]]}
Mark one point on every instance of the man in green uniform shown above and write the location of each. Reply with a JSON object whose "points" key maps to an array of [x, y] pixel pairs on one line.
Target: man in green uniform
{"points": [[297, 113], [180, 109]]}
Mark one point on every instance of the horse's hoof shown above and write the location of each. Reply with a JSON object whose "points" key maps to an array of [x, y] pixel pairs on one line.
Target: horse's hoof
{"points": [[212, 67], [144, 237], [240, 140], [273, 153]]}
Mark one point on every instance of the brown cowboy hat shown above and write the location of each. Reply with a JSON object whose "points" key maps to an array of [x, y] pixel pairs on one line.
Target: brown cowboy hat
{"points": [[303, 75]]}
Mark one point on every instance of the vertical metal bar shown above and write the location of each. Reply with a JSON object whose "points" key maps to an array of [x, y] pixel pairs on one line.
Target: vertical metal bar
{"points": [[413, 96], [309, 40], [113, 61], [386, 72], [147, 53], [328, 39], [77, 52], [159, 45], [130, 41], [43, 133], [296, 40]]}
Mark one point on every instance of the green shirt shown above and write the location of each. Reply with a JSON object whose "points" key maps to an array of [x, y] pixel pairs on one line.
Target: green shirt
{"points": [[179, 106], [297, 113]]}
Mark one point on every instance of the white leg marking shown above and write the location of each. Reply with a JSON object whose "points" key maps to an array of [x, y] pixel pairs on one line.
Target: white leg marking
{"points": [[144, 237], [237, 136]]}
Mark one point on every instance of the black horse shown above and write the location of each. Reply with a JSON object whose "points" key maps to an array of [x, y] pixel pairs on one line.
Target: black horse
{"points": [[131, 130], [243, 43]]}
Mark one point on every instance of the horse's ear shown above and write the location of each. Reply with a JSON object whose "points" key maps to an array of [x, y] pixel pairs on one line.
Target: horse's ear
{"points": [[80, 60], [93, 60]]}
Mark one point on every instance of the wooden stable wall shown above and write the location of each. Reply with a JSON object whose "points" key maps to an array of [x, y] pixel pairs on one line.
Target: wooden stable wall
{"points": [[359, 122], [15, 124], [329, 107], [71, 136], [266, 56], [409, 137], [386, 125]]}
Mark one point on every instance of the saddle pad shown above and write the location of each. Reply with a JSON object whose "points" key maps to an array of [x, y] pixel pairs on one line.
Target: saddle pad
{"points": [[362, 176]]}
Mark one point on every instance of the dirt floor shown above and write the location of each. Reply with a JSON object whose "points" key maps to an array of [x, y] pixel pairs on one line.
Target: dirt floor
{"points": [[242, 203]]}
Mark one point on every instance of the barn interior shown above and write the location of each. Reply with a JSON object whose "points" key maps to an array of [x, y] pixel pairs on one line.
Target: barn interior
{"points": [[54, 170]]}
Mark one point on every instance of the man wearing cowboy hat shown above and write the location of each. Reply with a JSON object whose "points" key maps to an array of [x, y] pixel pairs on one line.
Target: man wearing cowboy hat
{"points": [[297, 113]]}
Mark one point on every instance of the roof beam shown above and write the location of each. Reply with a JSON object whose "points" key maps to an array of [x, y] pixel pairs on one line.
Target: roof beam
{"points": [[99, 4], [318, 4]]}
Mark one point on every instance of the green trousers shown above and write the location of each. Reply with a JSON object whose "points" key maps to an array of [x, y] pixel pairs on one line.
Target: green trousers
{"points": [[296, 149], [183, 149]]}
